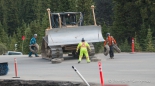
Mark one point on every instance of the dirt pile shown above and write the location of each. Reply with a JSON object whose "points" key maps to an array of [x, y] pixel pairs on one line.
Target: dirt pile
{"points": [[41, 83]]}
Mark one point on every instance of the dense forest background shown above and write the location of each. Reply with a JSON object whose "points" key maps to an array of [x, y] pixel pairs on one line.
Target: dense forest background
{"points": [[124, 19]]}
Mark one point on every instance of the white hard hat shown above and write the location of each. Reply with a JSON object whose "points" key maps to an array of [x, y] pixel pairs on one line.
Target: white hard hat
{"points": [[35, 34], [108, 34]]}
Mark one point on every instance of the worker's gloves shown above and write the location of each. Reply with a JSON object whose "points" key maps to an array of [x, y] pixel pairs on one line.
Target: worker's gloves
{"points": [[76, 52], [115, 44]]}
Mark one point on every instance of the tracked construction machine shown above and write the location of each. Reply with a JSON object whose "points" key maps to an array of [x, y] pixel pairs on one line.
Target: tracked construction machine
{"points": [[65, 32]]}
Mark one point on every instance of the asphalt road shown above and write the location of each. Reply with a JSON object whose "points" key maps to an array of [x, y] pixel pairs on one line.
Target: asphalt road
{"points": [[136, 69]]}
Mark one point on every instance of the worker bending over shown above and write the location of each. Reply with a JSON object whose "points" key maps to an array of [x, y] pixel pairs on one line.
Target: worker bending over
{"points": [[83, 50]]}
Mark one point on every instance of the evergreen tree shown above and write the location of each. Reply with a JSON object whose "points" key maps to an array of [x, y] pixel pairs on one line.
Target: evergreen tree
{"points": [[13, 21], [22, 28], [126, 19], [149, 44], [3, 14], [19, 39], [26, 43], [37, 9], [147, 11], [28, 12], [72, 5], [13, 42], [67, 5], [33, 26], [44, 25], [142, 35], [104, 11], [1, 30], [84, 6], [137, 45], [105, 29], [3, 35], [125, 47], [3, 48]]}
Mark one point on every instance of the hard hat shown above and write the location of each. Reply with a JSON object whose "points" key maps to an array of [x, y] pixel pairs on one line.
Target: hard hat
{"points": [[82, 39], [108, 34], [35, 34]]}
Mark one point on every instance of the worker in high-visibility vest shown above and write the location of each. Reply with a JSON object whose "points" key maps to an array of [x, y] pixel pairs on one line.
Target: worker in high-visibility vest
{"points": [[83, 50]]}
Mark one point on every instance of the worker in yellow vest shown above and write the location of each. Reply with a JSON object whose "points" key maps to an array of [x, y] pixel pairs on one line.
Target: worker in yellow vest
{"points": [[83, 50]]}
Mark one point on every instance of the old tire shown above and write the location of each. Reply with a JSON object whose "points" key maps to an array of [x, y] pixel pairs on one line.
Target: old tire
{"points": [[106, 50], [116, 48], [36, 49]]}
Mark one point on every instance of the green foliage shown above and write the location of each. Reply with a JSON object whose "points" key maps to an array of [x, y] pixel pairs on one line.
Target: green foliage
{"points": [[26, 42], [3, 36], [99, 47], [84, 6], [125, 47], [126, 19], [19, 39], [105, 29], [3, 48], [137, 45], [104, 12], [12, 42], [133, 16], [149, 44], [122, 18], [142, 35], [66, 5]]}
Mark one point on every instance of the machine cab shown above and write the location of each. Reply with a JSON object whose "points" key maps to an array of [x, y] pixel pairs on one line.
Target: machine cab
{"points": [[66, 19]]}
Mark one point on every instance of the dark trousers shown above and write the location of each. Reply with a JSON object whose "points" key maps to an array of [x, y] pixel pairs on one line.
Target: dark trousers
{"points": [[111, 52]]}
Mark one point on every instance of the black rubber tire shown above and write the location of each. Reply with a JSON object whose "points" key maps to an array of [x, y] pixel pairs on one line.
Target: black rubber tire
{"points": [[36, 48], [116, 48], [106, 50]]}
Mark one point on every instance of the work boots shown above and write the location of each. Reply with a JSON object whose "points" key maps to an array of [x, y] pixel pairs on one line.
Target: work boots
{"points": [[78, 62], [111, 57]]}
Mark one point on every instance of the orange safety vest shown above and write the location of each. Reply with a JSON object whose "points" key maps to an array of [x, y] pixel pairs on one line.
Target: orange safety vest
{"points": [[110, 40], [83, 45]]}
